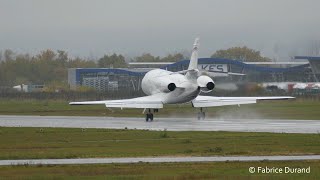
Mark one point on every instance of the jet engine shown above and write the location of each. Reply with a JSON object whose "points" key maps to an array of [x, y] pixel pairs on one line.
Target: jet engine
{"points": [[159, 81], [171, 86], [205, 83], [165, 84]]}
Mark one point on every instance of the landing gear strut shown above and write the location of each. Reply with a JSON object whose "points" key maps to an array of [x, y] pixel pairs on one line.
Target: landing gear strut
{"points": [[149, 114], [201, 115]]}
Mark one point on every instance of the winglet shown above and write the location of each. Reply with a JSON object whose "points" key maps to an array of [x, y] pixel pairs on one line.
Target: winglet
{"points": [[194, 56]]}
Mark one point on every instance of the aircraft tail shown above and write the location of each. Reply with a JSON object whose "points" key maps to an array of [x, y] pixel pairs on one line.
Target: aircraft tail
{"points": [[194, 56]]}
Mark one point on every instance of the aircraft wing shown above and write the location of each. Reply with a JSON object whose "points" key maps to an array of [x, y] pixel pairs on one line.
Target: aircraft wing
{"points": [[211, 101], [141, 102]]}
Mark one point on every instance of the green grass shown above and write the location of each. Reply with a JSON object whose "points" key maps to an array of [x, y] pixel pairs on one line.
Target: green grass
{"points": [[215, 170], [35, 143], [292, 109]]}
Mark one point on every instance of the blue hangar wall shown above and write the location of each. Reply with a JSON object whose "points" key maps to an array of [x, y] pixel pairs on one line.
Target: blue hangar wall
{"points": [[132, 77]]}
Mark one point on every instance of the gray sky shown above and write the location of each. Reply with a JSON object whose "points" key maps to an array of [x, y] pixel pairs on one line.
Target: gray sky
{"points": [[94, 27]]}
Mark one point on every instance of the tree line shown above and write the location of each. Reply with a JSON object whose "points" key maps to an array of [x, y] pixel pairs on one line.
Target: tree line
{"points": [[46, 67], [51, 67]]}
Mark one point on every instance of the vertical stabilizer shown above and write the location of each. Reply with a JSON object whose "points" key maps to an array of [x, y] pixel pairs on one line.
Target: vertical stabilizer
{"points": [[194, 56]]}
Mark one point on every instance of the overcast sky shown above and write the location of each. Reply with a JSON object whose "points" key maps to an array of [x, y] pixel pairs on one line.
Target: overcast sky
{"points": [[131, 27]]}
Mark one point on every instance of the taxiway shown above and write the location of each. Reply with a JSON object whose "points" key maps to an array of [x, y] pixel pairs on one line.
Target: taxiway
{"points": [[156, 160]]}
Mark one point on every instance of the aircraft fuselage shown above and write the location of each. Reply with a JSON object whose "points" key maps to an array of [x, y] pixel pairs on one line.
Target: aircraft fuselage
{"points": [[173, 87]]}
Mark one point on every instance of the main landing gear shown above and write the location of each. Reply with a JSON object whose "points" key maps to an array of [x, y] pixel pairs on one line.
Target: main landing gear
{"points": [[201, 115], [149, 114]]}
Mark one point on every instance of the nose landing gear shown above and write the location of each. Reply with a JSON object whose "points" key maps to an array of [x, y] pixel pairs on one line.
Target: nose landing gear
{"points": [[149, 114], [201, 115]]}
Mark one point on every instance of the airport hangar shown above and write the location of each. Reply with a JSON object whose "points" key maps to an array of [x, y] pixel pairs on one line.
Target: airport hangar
{"points": [[110, 79]]}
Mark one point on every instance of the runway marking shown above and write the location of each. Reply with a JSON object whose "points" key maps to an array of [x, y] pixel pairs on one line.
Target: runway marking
{"points": [[156, 160]]}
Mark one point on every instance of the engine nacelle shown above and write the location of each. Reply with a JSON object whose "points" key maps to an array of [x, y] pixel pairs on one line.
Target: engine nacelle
{"points": [[171, 86], [165, 85], [205, 83], [159, 81]]}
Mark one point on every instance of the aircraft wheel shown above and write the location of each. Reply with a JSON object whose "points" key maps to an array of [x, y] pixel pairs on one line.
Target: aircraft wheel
{"points": [[199, 115], [203, 115], [151, 117]]}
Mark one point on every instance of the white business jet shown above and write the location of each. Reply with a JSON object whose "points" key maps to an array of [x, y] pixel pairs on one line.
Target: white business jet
{"points": [[166, 87]]}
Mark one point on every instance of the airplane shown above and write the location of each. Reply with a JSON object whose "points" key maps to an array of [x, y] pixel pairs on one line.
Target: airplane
{"points": [[166, 87]]}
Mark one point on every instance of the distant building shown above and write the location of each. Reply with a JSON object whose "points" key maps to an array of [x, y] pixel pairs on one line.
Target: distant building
{"points": [[314, 65], [29, 88], [105, 79]]}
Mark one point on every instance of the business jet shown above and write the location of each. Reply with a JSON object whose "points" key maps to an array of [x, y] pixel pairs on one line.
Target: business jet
{"points": [[166, 87]]}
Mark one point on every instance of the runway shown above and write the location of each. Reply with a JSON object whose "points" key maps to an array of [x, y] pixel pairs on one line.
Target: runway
{"points": [[170, 124], [156, 160]]}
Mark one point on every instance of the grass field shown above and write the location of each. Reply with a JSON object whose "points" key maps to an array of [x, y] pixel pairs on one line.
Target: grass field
{"points": [[292, 109], [24, 143], [215, 170], [36, 143]]}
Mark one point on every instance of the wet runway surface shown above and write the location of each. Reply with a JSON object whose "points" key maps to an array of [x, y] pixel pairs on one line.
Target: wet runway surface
{"points": [[156, 160], [170, 124]]}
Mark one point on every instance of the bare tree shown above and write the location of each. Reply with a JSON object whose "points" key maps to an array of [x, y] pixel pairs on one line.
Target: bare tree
{"points": [[8, 54]]}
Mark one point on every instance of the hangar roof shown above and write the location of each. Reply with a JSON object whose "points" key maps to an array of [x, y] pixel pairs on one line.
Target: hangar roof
{"points": [[130, 72], [239, 63], [307, 57], [141, 72]]}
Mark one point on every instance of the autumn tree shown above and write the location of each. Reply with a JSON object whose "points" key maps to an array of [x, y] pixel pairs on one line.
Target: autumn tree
{"points": [[240, 53], [62, 57], [8, 54], [173, 58], [147, 57], [113, 61], [44, 68], [78, 62]]}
